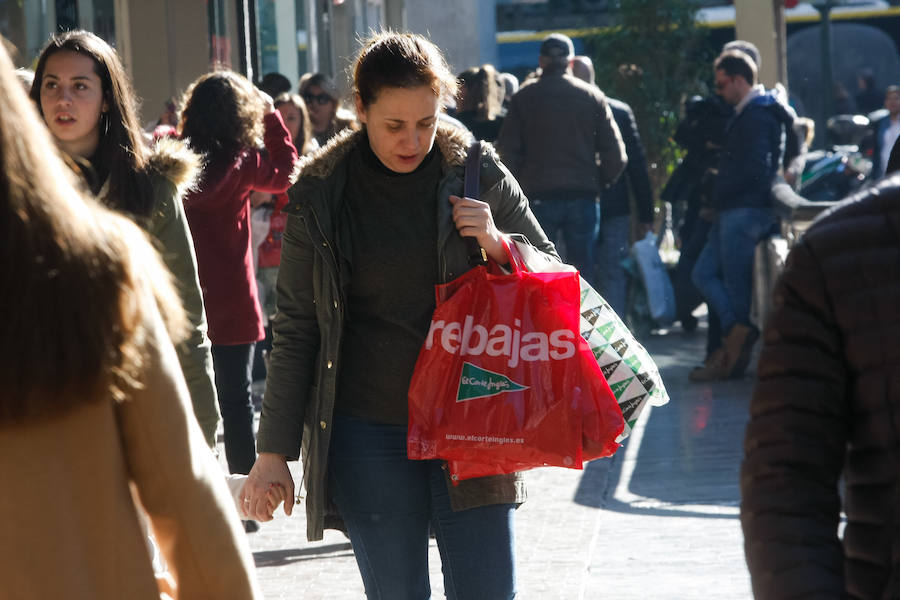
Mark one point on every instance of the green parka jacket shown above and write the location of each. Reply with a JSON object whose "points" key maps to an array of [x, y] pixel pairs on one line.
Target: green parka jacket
{"points": [[312, 290], [174, 169]]}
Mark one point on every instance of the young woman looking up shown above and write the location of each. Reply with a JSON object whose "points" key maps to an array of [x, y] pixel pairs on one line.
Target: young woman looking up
{"points": [[375, 221], [82, 91], [94, 406], [224, 117]]}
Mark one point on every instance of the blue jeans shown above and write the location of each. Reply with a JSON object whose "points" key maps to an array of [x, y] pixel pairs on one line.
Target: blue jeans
{"points": [[576, 224], [388, 503], [724, 270], [612, 280]]}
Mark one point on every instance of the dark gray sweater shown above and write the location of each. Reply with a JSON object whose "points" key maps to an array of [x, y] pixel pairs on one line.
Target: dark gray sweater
{"points": [[393, 225]]}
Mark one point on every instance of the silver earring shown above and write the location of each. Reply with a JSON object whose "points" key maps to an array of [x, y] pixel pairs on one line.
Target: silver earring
{"points": [[105, 123]]}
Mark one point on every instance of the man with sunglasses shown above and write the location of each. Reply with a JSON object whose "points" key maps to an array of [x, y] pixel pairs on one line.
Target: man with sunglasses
{"points": [[321, 97], [754, 146]]}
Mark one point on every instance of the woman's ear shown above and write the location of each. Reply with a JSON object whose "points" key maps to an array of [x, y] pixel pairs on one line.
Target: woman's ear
{"points": [[360, 109]]}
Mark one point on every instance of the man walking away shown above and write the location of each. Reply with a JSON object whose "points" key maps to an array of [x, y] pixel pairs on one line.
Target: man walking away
{"points": [[562, 144]]}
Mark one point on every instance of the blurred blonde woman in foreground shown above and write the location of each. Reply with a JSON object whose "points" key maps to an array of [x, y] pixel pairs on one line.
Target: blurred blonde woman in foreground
{"points": [[95, 413]]}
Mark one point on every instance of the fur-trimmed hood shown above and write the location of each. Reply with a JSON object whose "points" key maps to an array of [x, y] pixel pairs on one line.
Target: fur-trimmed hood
{"points": [[452, 142], [172, 159]]}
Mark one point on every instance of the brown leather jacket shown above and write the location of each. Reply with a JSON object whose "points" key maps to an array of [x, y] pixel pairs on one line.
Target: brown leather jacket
{"points": [[827, 405]]}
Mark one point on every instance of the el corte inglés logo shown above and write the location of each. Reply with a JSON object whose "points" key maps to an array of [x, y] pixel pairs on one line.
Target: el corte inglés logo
{"points": [[475, 382]]}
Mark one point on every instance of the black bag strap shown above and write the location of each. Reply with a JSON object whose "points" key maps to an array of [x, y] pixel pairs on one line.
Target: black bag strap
{"points": [[473, 170], [475, 253]]}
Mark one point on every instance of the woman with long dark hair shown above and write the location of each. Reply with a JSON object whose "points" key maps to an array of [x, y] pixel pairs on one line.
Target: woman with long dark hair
{"points": [[85, 97], [224, 118], [94, 406]]}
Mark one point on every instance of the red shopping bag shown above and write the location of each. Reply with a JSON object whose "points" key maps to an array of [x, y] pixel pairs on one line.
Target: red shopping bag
{"points": [[595, 440], [504, 381]]}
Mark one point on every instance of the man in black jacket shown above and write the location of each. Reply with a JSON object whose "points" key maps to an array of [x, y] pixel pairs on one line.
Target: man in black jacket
{"points": [[615, 205]]}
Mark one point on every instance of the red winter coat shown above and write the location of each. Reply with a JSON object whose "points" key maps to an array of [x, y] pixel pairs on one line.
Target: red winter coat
{"points": [[219, 216]]}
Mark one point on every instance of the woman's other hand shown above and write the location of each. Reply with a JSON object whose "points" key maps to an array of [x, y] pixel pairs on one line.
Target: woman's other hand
{"points": [[473, 218], [269, 472]]}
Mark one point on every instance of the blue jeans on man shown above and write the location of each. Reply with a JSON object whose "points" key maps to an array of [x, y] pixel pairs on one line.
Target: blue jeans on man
{"points": [[724, 275], [724, 270], [572, 224]]}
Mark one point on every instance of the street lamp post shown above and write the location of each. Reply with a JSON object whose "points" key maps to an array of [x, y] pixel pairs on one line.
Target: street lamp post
{"points": [[824, 9]]}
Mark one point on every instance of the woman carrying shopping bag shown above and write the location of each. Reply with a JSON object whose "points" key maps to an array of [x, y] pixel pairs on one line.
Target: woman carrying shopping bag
{"points": [[376, 220]]}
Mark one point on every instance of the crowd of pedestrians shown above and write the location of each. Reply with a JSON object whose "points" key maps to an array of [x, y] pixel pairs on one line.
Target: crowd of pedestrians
{"points": [[318, 231]]}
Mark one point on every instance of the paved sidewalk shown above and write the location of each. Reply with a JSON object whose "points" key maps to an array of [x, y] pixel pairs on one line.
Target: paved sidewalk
{"points": [[659, 520]]}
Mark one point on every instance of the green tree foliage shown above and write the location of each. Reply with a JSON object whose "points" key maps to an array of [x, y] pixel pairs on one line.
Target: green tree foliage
{"points": [[653, 57]]}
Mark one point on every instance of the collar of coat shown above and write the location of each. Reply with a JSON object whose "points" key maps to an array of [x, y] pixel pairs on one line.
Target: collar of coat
{"points": [[452, 142], [173, 159]]}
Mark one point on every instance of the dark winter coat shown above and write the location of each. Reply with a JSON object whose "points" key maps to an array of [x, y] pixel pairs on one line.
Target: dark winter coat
{"points": [[173, 170], [312, 288], [754, 147], [615, 200], [555, 131], [827, 405]]}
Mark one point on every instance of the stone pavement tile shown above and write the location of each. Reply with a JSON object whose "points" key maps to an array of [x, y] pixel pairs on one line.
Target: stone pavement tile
{"points": [[672, 507]]}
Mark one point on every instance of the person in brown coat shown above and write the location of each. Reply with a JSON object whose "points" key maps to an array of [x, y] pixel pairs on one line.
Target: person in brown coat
{"points": [[95, 417], [826, 408]]}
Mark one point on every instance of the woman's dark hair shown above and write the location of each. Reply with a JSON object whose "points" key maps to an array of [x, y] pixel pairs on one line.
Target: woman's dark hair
{"points": [[121, 149], [222, 115], [404, 60], [74, 279], [304, 136]]}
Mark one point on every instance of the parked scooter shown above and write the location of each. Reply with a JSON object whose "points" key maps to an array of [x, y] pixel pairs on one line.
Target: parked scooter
{"points": [[842, 168]]}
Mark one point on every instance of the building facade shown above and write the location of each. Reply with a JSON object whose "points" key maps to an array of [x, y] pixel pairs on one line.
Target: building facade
{"points": [[166, 44]]}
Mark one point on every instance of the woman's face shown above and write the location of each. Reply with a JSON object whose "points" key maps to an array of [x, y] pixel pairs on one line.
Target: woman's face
{"points": [[72, 102], [291, 117], [401, 124], [321, 107]]}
